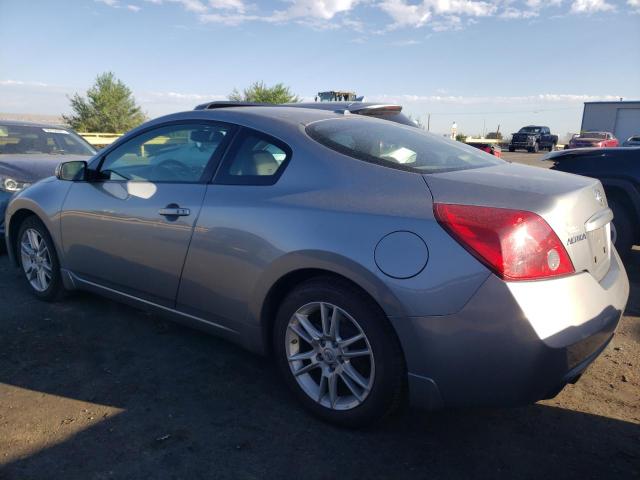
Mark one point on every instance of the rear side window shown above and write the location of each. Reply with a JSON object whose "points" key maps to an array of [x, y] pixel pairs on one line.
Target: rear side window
{"points": [[254, 159], [396, 146]]}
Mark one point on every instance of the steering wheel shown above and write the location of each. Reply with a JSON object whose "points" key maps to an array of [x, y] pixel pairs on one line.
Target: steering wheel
{"points": [[173, 168]]}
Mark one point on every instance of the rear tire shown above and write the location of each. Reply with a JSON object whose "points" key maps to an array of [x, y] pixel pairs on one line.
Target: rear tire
{"points": [[624, 235], [512, 149], [327, 388], [38, 259]]}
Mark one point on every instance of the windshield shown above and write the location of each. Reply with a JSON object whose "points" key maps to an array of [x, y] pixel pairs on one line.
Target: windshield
{"points": [[396, 146], [598, 135], [530, 130], [27, 139]]}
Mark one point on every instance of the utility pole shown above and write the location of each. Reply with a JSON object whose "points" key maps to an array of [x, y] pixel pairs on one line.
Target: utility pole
{"points": [[428, 122]]}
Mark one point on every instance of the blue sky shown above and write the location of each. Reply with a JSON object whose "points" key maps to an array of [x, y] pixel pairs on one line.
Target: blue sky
{"points": [[480, 63]]}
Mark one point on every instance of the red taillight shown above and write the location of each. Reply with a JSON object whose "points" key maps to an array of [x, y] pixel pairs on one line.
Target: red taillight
{"points": [[515, 244]]}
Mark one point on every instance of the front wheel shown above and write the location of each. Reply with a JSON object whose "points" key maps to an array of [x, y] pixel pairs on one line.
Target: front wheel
{"points": [[338, 353], [38, 260]]}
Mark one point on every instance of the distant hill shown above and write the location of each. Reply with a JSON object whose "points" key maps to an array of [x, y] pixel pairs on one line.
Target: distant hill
{"points": [[32, 117]]}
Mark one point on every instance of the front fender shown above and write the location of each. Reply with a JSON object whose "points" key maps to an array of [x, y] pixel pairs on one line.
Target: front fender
{"points": [[43, 199]]}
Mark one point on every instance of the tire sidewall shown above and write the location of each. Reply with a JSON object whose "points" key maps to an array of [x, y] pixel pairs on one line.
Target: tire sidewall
{"points": [[389, 364], [55, 287]]}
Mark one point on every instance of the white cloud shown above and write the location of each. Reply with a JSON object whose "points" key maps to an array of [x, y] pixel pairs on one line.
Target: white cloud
{"points": [[543, 3], [117, 4], [551, 98], [237, 5], [418, 14], [440, 15], [404, 14], [590, 6], [11, 83], [514, 13], [315, 9]]}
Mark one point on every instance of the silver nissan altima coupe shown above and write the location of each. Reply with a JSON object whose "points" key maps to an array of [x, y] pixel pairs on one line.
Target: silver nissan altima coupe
{"points": [[371, 259]]}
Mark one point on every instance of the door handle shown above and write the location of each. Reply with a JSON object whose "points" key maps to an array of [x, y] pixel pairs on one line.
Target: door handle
{"points": [[174, 212]]}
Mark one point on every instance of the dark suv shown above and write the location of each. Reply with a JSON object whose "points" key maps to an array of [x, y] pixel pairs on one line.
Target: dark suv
{"points": [[533, 138], [619, 171]]}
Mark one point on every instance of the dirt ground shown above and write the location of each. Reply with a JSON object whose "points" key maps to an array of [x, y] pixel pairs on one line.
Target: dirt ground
{"points": [[90, 389]]}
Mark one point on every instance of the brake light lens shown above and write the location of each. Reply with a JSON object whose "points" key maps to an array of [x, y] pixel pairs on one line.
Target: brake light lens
{"points": [[514, 244]]}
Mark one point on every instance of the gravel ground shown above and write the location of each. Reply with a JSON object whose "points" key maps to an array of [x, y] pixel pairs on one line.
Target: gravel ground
{"points": [[90, 389]]}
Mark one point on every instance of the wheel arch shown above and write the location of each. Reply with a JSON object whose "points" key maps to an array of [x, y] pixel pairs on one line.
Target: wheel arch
{"points": [[627, 196], [274, 288], [13, 228]]}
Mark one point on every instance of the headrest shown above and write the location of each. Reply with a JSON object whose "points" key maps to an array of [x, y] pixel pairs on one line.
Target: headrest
{"points": [[206, 136]]}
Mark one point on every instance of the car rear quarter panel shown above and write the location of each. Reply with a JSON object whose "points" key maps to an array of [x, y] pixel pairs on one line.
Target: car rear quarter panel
{"points": [[327, 212]]}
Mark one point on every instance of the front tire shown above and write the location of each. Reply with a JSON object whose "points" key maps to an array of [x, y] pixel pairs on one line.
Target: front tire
{"points": [[338, 353], [38, 260]]}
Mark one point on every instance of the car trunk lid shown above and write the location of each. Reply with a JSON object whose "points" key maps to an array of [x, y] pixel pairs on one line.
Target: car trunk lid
{"points": [[574, 207]]}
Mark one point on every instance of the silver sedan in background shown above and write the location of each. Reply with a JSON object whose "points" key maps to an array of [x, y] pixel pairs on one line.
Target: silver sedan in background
{"points": [[371, 259]]}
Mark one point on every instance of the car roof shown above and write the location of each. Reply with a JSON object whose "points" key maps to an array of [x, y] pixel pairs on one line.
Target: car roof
{"points": [[21, 123], [353, 106]]}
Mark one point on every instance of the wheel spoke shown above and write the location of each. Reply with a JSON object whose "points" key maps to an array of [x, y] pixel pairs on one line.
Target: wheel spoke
{"points": [[34, 241], [26, 249], [334, 329], [42, 248], [42, 280], [351, 386], [324, 315], [351, 341], [302, 356], [356, 353], [306, 369], [29, 271], [333, 390], [322, 389], [353, 374], [306, 324], [301, 332]]}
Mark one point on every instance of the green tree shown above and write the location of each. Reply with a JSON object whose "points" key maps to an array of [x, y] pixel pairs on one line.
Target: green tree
{"points": [[461, 137], [108, 107], [261, 93]]}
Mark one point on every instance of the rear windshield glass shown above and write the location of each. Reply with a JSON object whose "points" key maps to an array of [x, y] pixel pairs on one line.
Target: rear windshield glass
{"points": [[530, 130], [397, 146], [27, 139], [598, 135]]}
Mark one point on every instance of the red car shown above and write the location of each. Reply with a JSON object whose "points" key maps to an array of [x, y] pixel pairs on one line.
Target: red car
{"points": [[593, 139], [492, 148]]}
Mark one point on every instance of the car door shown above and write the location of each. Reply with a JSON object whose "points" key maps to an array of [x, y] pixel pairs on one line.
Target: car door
{"points": [[130, 229], [229, 250]]}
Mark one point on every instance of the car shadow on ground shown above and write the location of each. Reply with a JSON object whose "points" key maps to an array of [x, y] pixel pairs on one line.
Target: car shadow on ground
{"points": [[194, 406]]}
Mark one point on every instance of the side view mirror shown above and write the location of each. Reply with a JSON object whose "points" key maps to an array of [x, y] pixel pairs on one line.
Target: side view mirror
{"points": [[71, 171]]}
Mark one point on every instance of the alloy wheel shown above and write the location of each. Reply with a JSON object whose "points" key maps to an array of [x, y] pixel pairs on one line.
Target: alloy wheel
{"points": [[330, 356], [36, 260]]}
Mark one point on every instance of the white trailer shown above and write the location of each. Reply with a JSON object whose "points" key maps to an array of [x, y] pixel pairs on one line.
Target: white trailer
{"points": [[621, 118]]}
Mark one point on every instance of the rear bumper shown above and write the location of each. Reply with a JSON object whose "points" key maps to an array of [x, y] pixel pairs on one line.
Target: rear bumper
{"points": [[512, 343]]}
